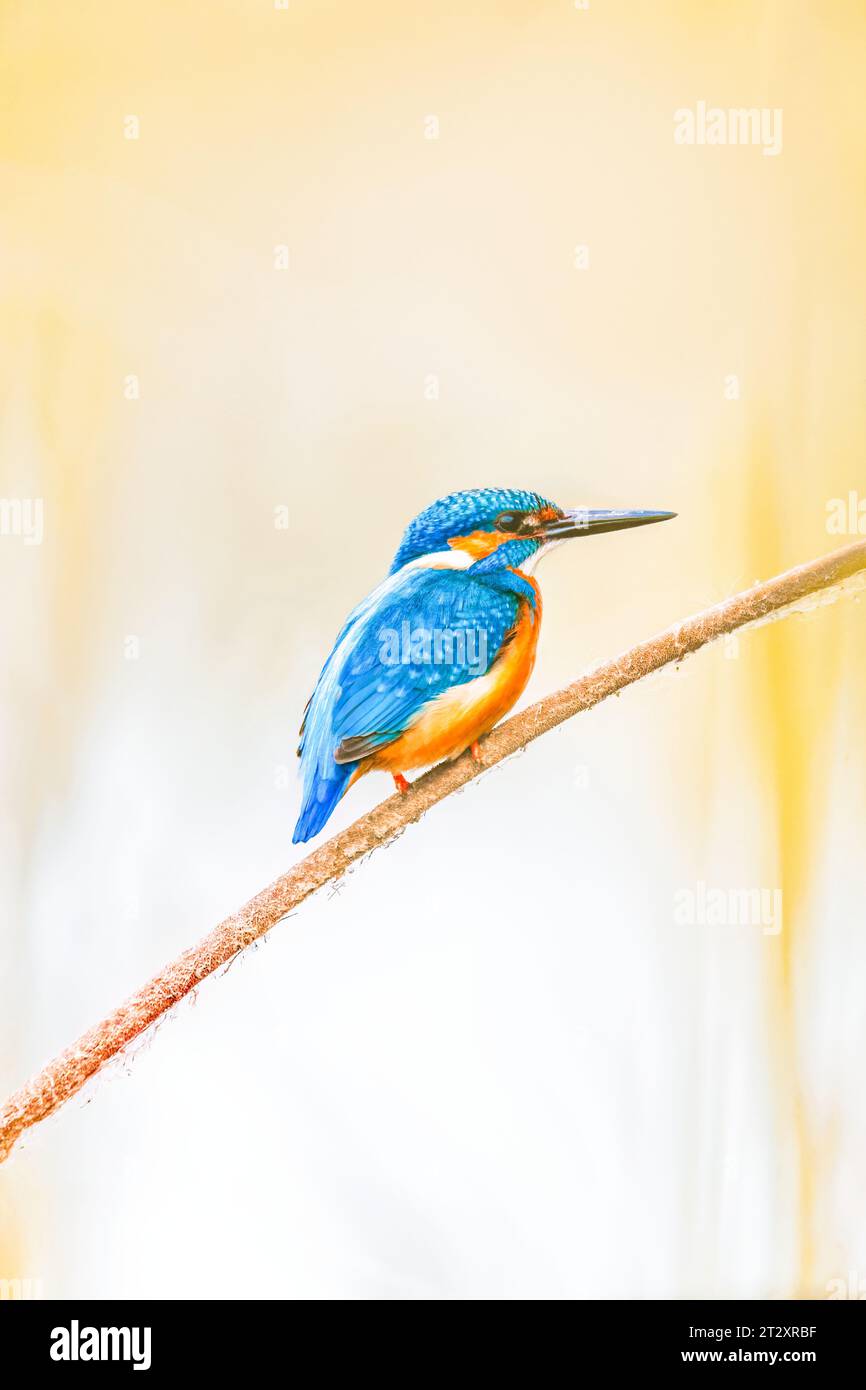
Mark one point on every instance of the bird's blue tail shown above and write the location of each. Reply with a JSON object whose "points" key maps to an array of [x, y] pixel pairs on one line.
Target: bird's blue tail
{"points": [[321, 794]]}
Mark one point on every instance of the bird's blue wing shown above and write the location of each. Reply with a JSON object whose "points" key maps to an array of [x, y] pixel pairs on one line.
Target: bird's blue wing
{"points": [[440, 629], [420, 633]]}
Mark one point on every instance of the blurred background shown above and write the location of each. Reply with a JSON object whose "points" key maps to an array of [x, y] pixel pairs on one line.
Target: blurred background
{"points": [[274, 277]]}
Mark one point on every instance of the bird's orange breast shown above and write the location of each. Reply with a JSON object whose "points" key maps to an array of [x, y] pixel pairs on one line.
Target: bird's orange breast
{"points": [[455, 719]]}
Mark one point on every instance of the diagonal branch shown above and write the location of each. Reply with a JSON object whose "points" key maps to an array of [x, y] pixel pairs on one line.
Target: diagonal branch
{"points": [[62, 1078]]}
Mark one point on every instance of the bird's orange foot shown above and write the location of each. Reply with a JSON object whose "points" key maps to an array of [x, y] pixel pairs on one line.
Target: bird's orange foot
{"points": [[475, 751], [400, 782]]}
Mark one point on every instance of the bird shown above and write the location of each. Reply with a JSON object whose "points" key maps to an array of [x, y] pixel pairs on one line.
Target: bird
{"points": [[441, 650]]}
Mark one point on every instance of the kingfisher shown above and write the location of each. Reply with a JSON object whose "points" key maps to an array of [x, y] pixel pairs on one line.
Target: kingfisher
{"points": [[439, 652]]}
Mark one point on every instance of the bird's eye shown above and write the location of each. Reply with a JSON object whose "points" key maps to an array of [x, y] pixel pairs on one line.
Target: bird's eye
{"points": [[508, 521]]}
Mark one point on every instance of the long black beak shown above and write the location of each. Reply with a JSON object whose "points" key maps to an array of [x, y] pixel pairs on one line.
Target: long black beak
{"points": [[584, 522]]}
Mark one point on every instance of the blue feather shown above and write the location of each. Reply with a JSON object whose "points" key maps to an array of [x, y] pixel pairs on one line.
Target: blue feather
{"points": [[372, 688], [320, 798]]}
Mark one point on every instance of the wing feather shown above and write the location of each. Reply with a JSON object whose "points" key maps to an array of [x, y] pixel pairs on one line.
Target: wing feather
{"points": [[384, 670]]}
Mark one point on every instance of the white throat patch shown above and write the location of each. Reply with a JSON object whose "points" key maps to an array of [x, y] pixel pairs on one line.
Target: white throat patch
{"points": [[441, 560]]}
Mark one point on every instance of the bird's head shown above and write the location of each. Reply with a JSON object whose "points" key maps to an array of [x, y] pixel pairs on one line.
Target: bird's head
{"points": [[468, 526]]}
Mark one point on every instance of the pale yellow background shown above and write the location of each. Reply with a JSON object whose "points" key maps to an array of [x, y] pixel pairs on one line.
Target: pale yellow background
{"points": [[493, 1064]]}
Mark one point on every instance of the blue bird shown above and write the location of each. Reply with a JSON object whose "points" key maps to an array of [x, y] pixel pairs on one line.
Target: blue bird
{"points": [[441, 650]]}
